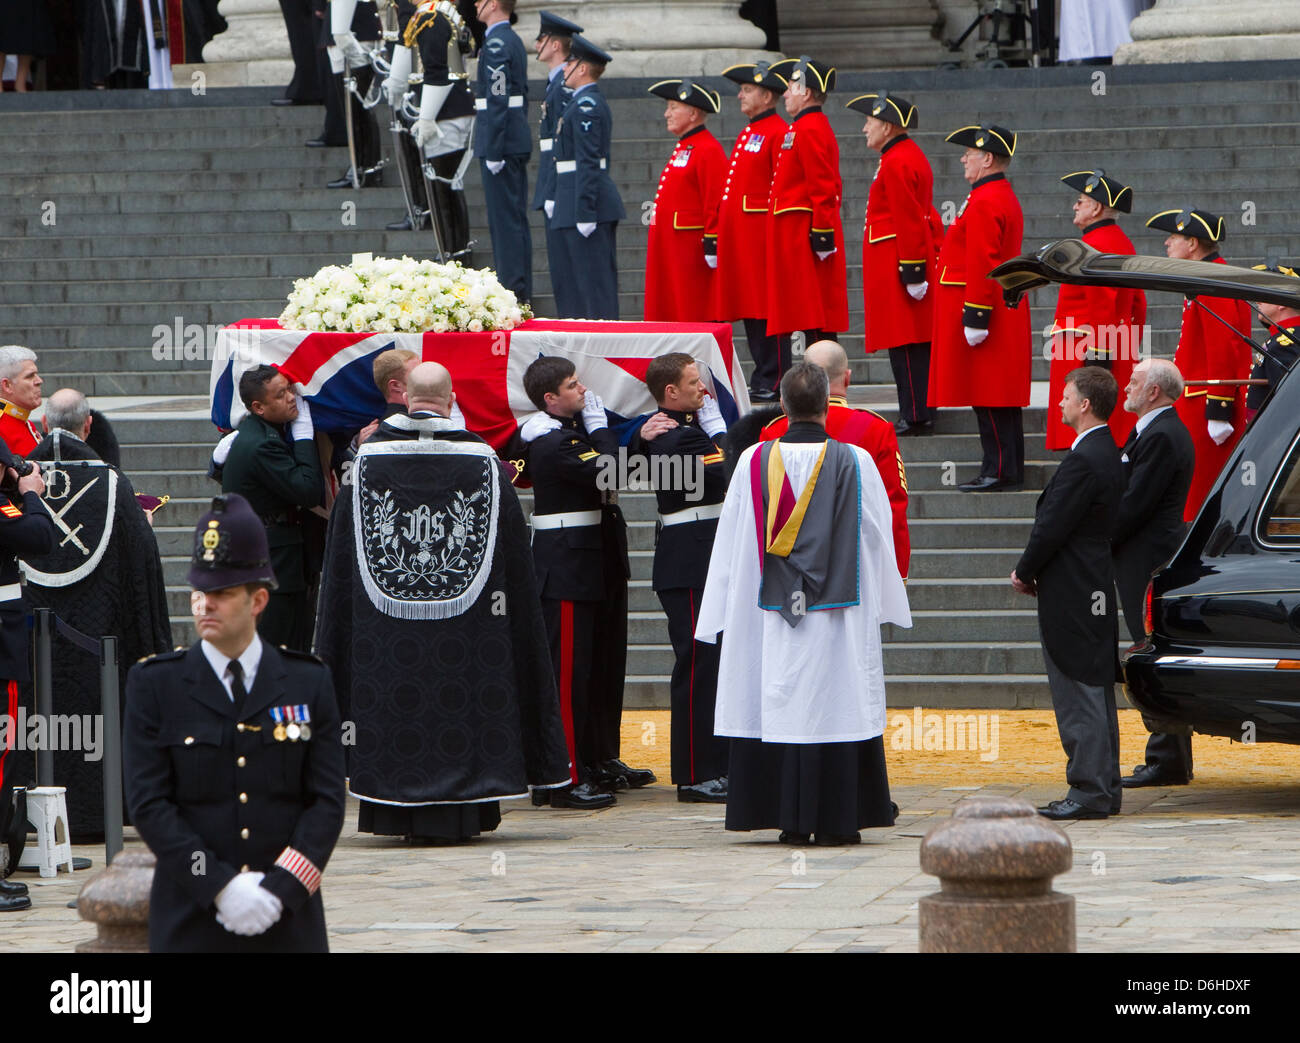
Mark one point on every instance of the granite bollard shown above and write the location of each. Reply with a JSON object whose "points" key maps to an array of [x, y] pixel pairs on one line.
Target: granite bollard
{"points": [[117, 902], [995, 859]]}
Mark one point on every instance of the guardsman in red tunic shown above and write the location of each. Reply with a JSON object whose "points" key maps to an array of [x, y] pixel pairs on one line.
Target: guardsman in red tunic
{"points": [[20, 393], [739, 239], [863, 428], [900, 245], [807, 286], [1208, 350], [678, 280], [981, 349], [1094, 325]]}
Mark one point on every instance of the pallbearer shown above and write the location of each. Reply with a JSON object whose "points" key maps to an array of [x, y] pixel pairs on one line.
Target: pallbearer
{"points": [[678, 279]]}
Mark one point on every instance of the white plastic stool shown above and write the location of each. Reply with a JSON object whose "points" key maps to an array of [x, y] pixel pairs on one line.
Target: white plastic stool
{"points": [[47, 811]]}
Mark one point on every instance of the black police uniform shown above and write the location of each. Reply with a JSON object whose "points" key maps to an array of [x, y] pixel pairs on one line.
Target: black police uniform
{"points": [[682, 548], [280, 480], [582, 574]]}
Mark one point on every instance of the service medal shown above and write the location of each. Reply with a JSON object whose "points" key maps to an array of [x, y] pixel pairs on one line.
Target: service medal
{"points": [[305, 731], [293, 731], [279, 733]]}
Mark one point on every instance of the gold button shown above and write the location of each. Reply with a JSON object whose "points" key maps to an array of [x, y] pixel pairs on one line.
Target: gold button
{"points": [[242, 761], [239, 727], [189, 740], [243, 798], [243, 833], [244, 868]]}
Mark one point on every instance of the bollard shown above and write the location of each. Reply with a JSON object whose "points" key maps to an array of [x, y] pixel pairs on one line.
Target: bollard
{"points": [[995, 859], [117, 902], [43, 685], [110, 706]]}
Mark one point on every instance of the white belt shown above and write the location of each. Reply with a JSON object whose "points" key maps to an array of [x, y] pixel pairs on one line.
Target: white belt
{"points": [[567, 520], [568, 166], [516, 102], [692, 514], [546, 144], [11, 592]]}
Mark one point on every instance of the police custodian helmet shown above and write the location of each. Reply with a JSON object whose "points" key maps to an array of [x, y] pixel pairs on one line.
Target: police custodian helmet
{"points": [[230, 547]]}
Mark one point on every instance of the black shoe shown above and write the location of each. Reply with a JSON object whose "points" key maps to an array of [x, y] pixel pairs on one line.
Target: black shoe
{"points": [[1145, 775], [1069, 809], [541, 798], [369, 179], [797, 839], [404, 225], [14, 903], [322, 143], [894, 808], [10, 889], [904, 429], [711, 791], [763, 396], [837, 839], [635, 777], [583, 796], [989, 484], [607, 781]]}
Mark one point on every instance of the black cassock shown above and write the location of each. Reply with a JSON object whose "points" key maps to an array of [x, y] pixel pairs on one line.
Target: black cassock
{"points": [[430, 621], [106, 578]]}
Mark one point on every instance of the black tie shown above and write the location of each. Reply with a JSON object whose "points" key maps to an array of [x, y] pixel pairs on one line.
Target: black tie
{"points": [[237, 688]]}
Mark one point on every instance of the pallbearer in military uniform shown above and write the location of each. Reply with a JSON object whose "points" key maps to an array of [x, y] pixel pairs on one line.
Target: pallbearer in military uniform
{"points": [[678, 280], [980, 354], [1280, 350], [587, 205], [552, 47], [1094, 325], [900, 245], [806, 282], [504, 143], [690, 461], [1211, 347], [233, 763], [740, 239]]}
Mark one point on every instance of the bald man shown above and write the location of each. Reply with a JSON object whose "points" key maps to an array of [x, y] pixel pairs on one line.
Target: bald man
{"points": [[865, 429]]}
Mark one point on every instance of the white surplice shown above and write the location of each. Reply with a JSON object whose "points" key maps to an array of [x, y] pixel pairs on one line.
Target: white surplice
{"points": [[822, 681]]}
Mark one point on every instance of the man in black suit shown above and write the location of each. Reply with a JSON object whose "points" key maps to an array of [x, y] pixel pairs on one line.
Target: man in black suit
{"points": [[1067, 565], [1159, 459]]}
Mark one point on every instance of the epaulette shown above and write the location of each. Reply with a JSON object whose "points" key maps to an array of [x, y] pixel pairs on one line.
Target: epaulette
{"points": [[586, 101], [294, 653], [424, 16], [162, 657]]}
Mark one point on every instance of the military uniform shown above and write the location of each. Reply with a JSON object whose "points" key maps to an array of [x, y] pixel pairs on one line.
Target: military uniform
{"points": [[1280, 353], [556, 99], [502, 135], [19, 433], [280, 480]]}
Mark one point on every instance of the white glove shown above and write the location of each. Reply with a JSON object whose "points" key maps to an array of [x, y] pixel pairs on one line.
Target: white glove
{"points": [[549, 207], [586, 228], [455, 415], [425, 132], [537, 425], [245, 907], [495, 165], [916, 290], [711, 417], [823, 254], [222, 450], [302, 426], [351, 49], [975, 337], [1219, 431], [593, 413], [399, 75], [711, 260]]}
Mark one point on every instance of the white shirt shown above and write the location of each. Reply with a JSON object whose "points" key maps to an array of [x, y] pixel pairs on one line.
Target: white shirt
{"points": [[1144, 421], [248, 660], [1080, 438]]}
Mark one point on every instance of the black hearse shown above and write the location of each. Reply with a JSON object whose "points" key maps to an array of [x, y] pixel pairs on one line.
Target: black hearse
{"points": [[1222, 654]]}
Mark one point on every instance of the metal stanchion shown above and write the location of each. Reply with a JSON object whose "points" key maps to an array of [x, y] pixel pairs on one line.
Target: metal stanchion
{"points": [[43, 682], [111, 709]]}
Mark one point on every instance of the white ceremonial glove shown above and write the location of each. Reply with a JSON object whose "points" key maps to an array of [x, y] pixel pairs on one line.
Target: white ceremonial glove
{"points": [[975, 337], [711, 417], [351, 49], [247, 908], [537, 425], [425, 132], [302, 425], [495, 165], [222, 450], [455, 415], [916, 290], [711, 260], [586, 228], [593, 413], [549, 207], [399, 75], [1218, 430], [823, 254]]}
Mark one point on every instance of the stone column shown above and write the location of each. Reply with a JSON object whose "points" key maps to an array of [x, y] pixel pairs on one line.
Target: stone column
{"points": [[863, 34], [657, 38], [252, 52], [1213, 31]]}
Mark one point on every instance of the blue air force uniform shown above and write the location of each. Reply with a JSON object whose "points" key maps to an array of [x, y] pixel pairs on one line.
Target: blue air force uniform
{"points": [[502, 136], [557, 99]]}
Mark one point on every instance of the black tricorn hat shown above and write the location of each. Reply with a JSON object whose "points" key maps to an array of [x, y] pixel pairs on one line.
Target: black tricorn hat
{"points": [[815, 75], [987, 137], [1199, 224], [1102, 187], [230, 547], [554, 25], [885, 106], [688, 92], [760, 74]]}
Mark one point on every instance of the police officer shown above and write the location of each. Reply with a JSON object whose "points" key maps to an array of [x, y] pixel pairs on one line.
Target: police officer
{"points": [[26, 529], [281, 480], [504, 143], [552, 47], [233, 763], [1281, 349], [691, 487], [587, 205]]}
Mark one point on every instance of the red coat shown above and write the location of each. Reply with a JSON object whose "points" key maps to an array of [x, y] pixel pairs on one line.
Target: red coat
{"points": [[902, 226], [987, 232], [740, 286], [875, 434], [1080, 310], [678, 284], [19, 433], [1207, 350], [804, 293]]}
